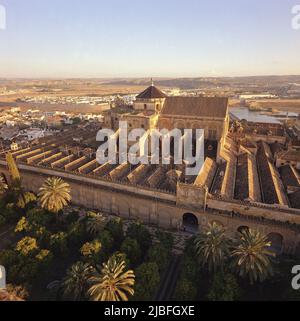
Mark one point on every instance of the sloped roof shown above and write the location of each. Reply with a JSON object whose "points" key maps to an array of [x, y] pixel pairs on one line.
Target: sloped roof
{"points": [[289, 176], [295, 199], [276, 148], [196, 106], [271, 184], [151, 93], [290, 155], [207, 173]]}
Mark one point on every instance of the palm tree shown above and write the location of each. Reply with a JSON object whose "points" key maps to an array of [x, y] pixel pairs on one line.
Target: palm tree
{"points": [[8, 296], [113, 284], [95, 222], [75, 283], [212, 246], [3, 185], [54, 194], [13, 293], [251, 257]]}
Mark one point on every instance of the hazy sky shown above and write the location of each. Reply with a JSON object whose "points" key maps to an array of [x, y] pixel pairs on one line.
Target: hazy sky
{"points": [[144, 38]]}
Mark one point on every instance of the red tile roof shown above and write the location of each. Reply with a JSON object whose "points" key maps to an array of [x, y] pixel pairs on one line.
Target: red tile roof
{"points": [[151, 93], [196, 106]]}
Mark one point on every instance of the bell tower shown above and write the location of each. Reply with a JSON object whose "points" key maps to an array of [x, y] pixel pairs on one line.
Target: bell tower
{"points": [[150, 100]]}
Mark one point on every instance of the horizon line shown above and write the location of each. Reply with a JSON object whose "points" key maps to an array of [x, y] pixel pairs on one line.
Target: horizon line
{"points": [[148, 77]]}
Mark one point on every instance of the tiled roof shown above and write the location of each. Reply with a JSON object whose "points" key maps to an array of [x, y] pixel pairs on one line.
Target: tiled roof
{"points": [[264, 129], [290, 155], [196, 106], [276, 148], [295, 199], [207, 173], [241, 191], [271, 185], [151, 93], [289, 176]]}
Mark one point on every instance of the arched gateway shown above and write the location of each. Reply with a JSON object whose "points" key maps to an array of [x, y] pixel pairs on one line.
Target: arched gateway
{"points": [[190, 223], [276, 240]]}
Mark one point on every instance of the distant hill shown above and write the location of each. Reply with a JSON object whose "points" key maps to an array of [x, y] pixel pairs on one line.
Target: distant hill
{"points": [[207, 82]]}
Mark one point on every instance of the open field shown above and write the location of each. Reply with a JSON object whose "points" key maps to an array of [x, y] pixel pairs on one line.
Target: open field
{"points": [[292, 105], [71, 108], [80, 90], [13, 89]]}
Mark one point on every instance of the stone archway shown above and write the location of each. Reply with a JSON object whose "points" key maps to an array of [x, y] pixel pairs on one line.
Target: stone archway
{"points": [[276, 240], [190, 223], [179, 125]]}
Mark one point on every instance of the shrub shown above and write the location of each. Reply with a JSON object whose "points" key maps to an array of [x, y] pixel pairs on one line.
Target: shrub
{"points": [[58, 243], [115, 227], [147, 281], [224, 288], [2, 220], [107, 243], [44, 257], [26, 200], [132, 250], [165, 238], [185, 290], [27, 245], [38, 216], [140, 233], [22, 225], [160, 255], [76, 234], [92, 251]]}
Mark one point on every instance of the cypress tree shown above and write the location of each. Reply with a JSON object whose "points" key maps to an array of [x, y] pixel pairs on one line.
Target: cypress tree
{"points": [[12, 167]]}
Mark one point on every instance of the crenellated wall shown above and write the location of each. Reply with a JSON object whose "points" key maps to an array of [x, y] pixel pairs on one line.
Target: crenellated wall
{"points": [[165, 209]]}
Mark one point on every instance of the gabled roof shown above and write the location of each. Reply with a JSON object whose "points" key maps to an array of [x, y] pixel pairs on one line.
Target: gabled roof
{"points": [[151, 93], [196, 106]]}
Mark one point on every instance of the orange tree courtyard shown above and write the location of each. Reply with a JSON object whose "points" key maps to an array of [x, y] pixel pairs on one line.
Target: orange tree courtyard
{"points": [[58, 252]]}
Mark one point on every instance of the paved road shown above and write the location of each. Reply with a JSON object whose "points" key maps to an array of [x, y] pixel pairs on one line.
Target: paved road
{"points": [[169, 280]]}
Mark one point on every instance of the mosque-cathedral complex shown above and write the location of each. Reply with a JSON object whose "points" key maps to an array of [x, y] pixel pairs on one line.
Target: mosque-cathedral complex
{"points": [[250, 177]]}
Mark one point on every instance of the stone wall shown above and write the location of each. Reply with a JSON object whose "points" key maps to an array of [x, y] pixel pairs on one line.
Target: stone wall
{"points": [[160, 208]]}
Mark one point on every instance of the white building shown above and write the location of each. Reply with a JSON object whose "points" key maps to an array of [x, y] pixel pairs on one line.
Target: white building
{"points": [[33, 133]]}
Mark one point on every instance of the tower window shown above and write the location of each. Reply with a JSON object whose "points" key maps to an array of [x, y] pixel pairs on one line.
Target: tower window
{"points": [[145, 106]]}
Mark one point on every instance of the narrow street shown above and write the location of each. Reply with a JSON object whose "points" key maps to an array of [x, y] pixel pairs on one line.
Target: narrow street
{"points": [[169, 280]]}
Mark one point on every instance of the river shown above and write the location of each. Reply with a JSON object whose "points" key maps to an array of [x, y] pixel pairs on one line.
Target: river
{"points": [[256, 116]]}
